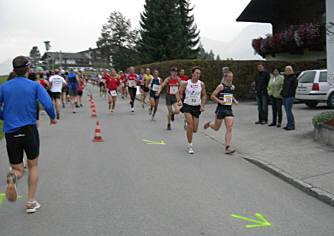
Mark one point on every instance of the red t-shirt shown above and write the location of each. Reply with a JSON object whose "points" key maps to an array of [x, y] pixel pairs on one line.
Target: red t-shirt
{"points": [[42, 82], [112, 83], [173, 85], [132, 80], [81, 86], [184, 78]]}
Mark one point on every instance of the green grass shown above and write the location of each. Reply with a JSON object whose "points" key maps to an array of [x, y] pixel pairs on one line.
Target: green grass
{"points": [[3, 78]]}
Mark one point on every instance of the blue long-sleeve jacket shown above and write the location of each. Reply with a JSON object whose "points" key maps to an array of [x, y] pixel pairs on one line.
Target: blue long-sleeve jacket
{"points": [[18, 97]]}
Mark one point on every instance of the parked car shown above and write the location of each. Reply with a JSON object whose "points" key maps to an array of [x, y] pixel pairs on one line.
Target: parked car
{"points": [[313, 88]]}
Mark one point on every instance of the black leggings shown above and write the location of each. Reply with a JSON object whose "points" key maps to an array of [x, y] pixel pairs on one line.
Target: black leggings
{"points": [[132, 92]]}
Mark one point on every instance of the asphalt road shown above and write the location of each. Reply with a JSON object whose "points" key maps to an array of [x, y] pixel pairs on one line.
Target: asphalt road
{"points": [[124, 187]]}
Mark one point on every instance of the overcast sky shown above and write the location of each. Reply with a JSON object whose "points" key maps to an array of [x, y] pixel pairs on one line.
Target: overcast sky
{"points": [[73, 25]]}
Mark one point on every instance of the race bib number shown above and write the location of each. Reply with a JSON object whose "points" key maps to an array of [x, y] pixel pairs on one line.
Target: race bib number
{"points": [[173, 90], [194, 101], [122, 83], [113, 93], [132, 83], [228, 99], [155, 87]]}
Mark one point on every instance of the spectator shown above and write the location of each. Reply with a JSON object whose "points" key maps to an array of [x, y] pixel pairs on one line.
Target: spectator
{"points": [[274, 91], [288, 93], [261, 84]]}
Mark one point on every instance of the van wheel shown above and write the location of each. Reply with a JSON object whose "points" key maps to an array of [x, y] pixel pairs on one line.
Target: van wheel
{"points": [[330, 101], [311, 104]]}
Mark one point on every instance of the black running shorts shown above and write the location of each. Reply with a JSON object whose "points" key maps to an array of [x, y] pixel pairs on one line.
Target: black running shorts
{"points": [[55, 95], [170, 100], [222, 113], [25, 139], [193, 110]]}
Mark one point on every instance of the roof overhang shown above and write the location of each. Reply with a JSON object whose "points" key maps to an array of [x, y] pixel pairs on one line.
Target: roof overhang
{"points": [[262, 11]]}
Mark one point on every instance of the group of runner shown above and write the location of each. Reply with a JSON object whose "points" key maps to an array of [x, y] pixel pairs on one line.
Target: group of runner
{"points": [[19, 96]]}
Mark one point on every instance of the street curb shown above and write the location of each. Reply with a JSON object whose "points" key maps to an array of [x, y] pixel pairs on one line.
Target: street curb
{"points": [[316, 192]]}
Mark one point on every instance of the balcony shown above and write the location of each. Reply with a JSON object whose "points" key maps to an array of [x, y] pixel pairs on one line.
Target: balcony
{"points": [[296, 41]]}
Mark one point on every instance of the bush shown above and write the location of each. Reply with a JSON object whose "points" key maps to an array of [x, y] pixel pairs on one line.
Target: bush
{"points": [[323, 118], [244, 71]]}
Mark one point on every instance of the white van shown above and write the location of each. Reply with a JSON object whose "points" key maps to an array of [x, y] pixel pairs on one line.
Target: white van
{"points": [[313, 88]]}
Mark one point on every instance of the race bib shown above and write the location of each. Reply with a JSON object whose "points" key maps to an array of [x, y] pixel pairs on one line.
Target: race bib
{"points": [[155, 87], [122, 83], [113, 93], [194, 101], [228, 99], [132, 83], [173, 90]]}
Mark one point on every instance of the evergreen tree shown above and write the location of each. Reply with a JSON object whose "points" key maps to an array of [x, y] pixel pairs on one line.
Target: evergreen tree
{"points": [[118, 41], [35, 55], [167, 31], [189, 31], [218, 58]]}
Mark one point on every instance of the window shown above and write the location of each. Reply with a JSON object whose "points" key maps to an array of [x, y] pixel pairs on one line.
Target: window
{"points": [[323, 77], [307, 77]]}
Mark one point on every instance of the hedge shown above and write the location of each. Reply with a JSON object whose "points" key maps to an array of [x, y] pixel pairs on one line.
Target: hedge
{"points": [[244, 71]]}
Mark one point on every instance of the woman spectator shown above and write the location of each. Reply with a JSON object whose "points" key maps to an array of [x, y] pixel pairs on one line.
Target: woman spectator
{"points": [[288, 93], [275, 87]]}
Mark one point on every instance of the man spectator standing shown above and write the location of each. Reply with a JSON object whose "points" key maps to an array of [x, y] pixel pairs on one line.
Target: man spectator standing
{"points": [[18, 97], [261, 83]]}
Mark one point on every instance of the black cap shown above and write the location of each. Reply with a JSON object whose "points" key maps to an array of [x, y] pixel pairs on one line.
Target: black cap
{"points": [[20, 62], [173, 69]]}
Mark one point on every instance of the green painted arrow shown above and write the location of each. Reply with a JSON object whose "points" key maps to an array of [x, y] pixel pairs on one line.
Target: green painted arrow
{"points": [[2, 197], [263, 222], [153, 142]]}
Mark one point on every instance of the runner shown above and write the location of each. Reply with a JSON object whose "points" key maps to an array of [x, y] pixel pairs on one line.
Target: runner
{"points": [[183, 78], [223, 95], [101, 83], [112, 84], [173, 84], [18, 99], [72, 81], [141, 84], [81, 87], [131, 81], [123, 84], [57, 82], [147, 79], [194, 103], [65, 91], [154, 85]]}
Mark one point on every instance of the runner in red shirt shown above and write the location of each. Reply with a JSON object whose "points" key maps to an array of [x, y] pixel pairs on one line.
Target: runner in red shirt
{"points": [[183, 94], [81, 86], [112, 83], [173, 83], [131, 81]]}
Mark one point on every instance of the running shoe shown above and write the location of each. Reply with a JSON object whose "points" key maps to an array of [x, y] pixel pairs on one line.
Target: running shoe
{"points": [[58, 116], [172, 118], [190, 149], [150, 111], [169, 127], [74, 112], [11, 193], [112, 111], [207, 125], [152, 118], [63, 105], [32, 207], [229, 150], [132, 109], [81, 105]]}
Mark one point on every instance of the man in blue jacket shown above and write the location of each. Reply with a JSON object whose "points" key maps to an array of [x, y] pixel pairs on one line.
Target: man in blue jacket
{"points": [[18, 98]]}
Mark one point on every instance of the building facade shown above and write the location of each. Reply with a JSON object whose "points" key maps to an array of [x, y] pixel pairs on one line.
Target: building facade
{"points": [[299, 28]]}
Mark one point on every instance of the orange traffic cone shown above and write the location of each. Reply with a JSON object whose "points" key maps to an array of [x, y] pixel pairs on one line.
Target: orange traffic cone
{"points": [[97, 137], [93, 114], [92, 105]]}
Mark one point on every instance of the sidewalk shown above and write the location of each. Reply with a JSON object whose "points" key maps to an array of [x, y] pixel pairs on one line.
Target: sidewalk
{"points": [[293, 156]]}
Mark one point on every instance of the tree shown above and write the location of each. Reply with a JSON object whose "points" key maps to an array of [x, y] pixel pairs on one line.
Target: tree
{"points": [[211, 55], [167, 31], [218, 58], [119, 41], [35, 56]]}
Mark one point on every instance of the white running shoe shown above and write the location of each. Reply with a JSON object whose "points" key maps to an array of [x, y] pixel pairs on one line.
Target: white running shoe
{"points": [[132, 110], [32, 207], [190, 149]]}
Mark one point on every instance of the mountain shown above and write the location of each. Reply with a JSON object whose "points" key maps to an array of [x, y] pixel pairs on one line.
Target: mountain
{"points": [[6, 67], [241, 47]]}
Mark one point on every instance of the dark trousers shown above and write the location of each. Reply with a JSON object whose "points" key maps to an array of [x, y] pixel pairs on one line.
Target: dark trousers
{"points": [[132, 92], [262, 106], [288, 104], [277, 109]]}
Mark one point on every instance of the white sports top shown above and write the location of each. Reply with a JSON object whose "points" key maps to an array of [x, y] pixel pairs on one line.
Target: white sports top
{"points": [[193, 93]]}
